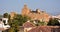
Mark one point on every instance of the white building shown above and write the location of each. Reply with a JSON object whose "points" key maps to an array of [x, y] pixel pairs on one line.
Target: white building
{"points": [[4, 24]]}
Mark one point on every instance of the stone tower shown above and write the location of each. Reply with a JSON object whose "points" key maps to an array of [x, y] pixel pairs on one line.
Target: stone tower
{"points": [[25, 10], [12, 14], [35, 15]]}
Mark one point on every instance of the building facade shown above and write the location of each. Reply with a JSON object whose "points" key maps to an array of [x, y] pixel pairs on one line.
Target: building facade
{"points": [[4, 24]]}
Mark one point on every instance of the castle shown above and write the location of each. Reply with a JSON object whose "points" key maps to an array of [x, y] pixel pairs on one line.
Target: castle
{"points": [[35, 15]]}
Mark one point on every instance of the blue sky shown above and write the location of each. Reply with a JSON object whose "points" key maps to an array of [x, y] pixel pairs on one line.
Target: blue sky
{"points": [[50, 6]]}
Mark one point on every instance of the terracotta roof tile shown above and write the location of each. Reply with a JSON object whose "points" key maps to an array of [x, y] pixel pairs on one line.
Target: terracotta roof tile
{"points": [[45, 29], [1, 29], [41, 29], [28, 24]]}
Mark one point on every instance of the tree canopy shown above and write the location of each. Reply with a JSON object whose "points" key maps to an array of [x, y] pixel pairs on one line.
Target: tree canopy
{"points": [[53, 22], [5, 15], [17, 21]]}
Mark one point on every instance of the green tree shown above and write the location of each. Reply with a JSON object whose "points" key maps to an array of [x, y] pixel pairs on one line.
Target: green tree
{"points": [[12, 29], [53, 22], [5, 15], [41, 23], [17, 21], [14, 23], [38, 22], [21, 19]]}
